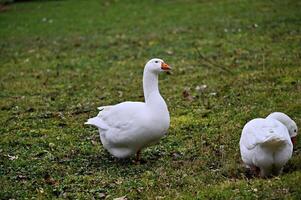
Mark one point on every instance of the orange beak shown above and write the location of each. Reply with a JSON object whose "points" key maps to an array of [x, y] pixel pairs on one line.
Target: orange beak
{"points": [[294, 140], [165, 67]]}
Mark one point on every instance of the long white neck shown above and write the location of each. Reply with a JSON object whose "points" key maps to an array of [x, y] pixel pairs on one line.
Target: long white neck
{"points": [[151, 91], [150, 85]]}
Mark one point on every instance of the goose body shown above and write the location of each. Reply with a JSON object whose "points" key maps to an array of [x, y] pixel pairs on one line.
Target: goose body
{"points": [[266, 144], [128, 127]]}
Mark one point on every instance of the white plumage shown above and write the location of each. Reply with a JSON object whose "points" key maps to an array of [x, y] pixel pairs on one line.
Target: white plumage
{"points": [[266, 144], [128, 127]]}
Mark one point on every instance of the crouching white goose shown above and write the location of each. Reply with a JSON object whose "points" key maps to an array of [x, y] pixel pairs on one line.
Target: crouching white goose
{"points": [[266, 144], [127, 127]]}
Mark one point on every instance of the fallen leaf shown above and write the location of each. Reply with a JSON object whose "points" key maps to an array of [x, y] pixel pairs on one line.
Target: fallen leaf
{"points": [[49, 180], [176, 155], [51, 145], [21, 177], [200, 88], [121, 198], [169, 52], [94, 142], [120, 93], [12, 157], [101, 195], [187, 95]]}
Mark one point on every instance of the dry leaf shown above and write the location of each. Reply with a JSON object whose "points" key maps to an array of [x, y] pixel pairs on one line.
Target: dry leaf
{"points": [[200, 88], [49, 180], [121, 198], [101, 195], [187, 95], [12, 157], [94, 142]]}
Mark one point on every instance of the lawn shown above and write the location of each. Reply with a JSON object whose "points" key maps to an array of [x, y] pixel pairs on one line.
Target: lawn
{"points": [[233, 60]]}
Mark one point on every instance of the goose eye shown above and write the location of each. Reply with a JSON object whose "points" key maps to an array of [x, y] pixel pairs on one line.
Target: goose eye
{"points": [[156, 61], [295, 130]]}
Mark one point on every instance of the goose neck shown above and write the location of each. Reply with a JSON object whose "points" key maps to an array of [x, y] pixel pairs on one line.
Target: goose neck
{"points": [[150, 85]]}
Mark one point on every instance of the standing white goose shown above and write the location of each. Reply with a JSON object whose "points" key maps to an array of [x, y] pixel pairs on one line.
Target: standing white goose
{"points": [[127, 127], [266, 144]]}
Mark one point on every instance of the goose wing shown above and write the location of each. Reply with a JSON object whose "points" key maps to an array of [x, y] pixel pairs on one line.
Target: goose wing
{"points": [[259, 131]]}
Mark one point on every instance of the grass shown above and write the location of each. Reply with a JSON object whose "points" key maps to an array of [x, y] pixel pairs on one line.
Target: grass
{"points": [[59, 60]]}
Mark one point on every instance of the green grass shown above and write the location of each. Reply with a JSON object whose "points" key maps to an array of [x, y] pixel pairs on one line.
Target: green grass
{"points": [[59, 60]]}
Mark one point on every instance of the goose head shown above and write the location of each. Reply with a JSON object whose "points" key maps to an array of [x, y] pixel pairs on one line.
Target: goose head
{"points": [[288, 122], [157, 65]]}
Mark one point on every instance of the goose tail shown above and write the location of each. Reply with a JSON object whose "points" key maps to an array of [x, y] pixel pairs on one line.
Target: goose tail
{"points": [[273, 142], [96, 121]]}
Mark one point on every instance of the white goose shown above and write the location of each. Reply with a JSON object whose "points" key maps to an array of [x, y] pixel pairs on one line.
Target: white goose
{"points": [[127, 127], [267, 144]]}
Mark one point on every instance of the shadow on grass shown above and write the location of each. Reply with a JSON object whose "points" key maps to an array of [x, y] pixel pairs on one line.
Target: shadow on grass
{"points": [[294, 164], [241, 172], [122, 167]]}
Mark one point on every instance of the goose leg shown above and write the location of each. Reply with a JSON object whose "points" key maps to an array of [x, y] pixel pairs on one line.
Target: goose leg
{"points": [[255, 170], [138, 157]]}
